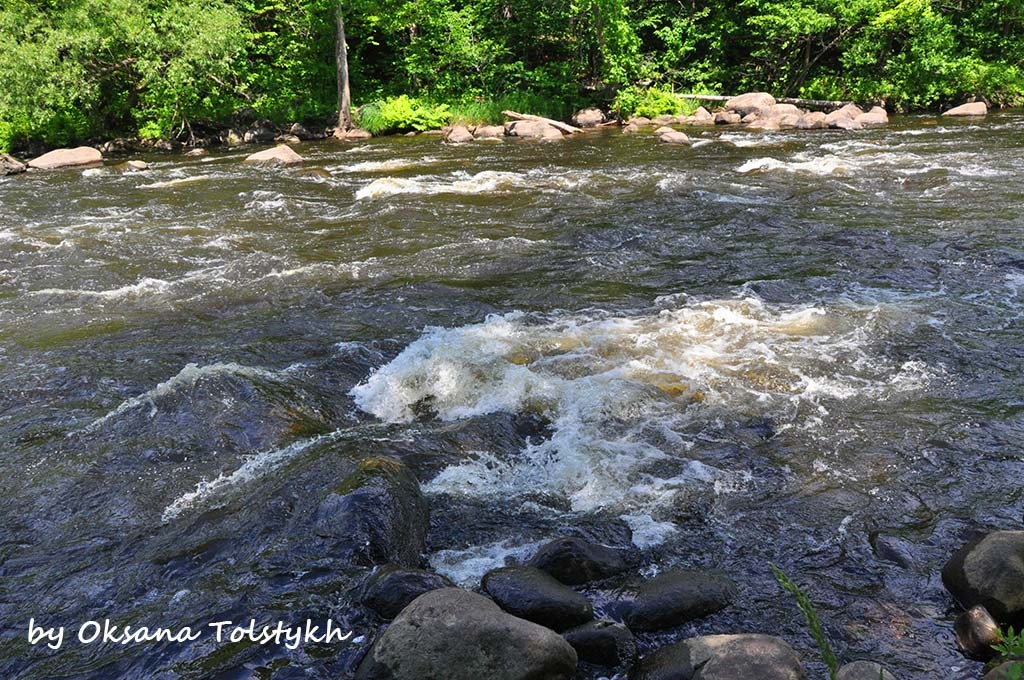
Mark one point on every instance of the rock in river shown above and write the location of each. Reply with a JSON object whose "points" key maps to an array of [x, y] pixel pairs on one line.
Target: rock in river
{"points": [[603, 643], [990, 571], [9, 165], [459, 134], [675, 597], [376, 515], [66, 158], [534, 595], [458, 635], [864, 670], [750, 102], [1010, 670], [391, 587], [575, 561], [586, 118], [976, 633], [532, 129], [674, 137], [722, 657], [282, 154], [972, 109]]}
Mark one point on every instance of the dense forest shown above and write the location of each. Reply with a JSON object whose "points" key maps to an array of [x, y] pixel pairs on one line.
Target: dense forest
{"points": [[74, 69]]}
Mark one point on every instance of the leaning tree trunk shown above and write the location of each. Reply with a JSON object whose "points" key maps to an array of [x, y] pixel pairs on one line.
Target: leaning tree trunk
{"points": [[344, 94]]}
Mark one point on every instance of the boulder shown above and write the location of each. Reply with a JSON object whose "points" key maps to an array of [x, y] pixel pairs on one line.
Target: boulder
{"points": [[781, 110], [722, 657], [67, 158], [287, 138], [864, 670], [640, 121], [391, 588], [675, 597], [375, 515], [976, 633], [876, 116], [300, 131], [664, 119], [458, 635], [702, 115], [1010, 670], [9, 165], [850, 111], [630, 129], [664, 129], [533, 129], [751, 101], [764, 124], [727, 118], [356, 134], [197, 152], [489, 132], [588, 118], [281, 154], [534, 595], [789, 121], [674, 137], [972, 109], [233, 138], [813, 120], [260, 134], [603, 643], [458, 134], [845, 124], [575, 561], [131, 166], [990, 571]]}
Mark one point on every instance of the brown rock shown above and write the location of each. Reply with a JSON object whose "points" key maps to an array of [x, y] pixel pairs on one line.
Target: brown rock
{"points": [[674, 137], [279, 155], [197, 152], [533, 129], [876, 116], [727, 118], [489, 131], [972, 109], [814, 120], [66, 158], [587, 118], [9, 165], [845, 124], [459, 134], [751, 101], [850, 112], [702, 115], [662, 130], [640, 121]]}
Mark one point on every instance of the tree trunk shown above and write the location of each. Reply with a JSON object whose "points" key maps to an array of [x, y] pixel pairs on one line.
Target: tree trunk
{"points": [[344, 94]]}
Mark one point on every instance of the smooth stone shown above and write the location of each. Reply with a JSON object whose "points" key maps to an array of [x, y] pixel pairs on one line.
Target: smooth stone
{"points": [[750, 101], [534, 595], [722, 657], [845, 124], [664, 119], [864, 670], [66, 158], [672, 662], [990, 571], [813, 120], [532, 129], [674, 137], [664, 129], [675, 597], [588, 118], [630, 129], [574, 561], [288, 138], [640, 121], [876, 116], [459, 134], [197, 152], [971, 109], [9, 165], [780, 110], [132, 166], [976, 633], [727, 118], [391, 588], [702, 115], [849, 111], [356, 134], [603, 643], [458, 635], [279, 155], [489, 131], [375, 515]]}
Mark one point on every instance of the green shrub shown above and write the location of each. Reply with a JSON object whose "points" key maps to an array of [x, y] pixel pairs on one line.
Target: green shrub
{"points": [[651, 103], [402, 114]]}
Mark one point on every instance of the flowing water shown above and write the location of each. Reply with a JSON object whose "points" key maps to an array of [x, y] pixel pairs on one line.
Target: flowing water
{"points": [[797, 348]]}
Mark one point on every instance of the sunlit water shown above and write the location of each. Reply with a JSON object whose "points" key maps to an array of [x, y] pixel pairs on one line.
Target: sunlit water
{"points": [[800, 348]]}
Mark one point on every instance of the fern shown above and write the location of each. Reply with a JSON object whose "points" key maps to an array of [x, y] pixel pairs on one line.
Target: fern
{"points": [[803, 603]]}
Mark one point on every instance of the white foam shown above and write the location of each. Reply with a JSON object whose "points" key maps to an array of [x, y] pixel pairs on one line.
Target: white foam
{"points": [[466, 567], [825, 165], [176, 182]]}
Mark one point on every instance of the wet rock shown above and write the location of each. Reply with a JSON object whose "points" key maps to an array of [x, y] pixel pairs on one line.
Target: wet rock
{"points": [[459, 134], [675, 597], [892, 549], [588, 118], [876, 116], [376, 515], [751, 101], [664, 119], [281, 154], [727, 118], [764, 124], [640, 121], [1010, 670], [356, 134], [9, 165], [789, 121], [489, 131], [990, 571], [287, 138], [630, 129], [722, 657], [66, 158], [532, 129], [233, 138], [663, 130], [300, 131], [864, 670], [976, 632], [845, 124], [849, 111], [391, 588], [814, 120], [972, 109], [674, 137], [131, 166], [702, 116], [260, 134], [458, 635], [529, 593], [603, 643], [197, 152], [781, 110], [575, 561]]}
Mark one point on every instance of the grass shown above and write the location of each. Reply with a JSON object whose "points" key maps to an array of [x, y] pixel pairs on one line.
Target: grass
{"points": [[803, 603]]}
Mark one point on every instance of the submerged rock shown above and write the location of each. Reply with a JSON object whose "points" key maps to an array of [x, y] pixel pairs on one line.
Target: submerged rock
{"points": [[722, 657], [66, 158], [532, 129], [972, 109], [458, 635], [845, 124], [536, 596], [9, 165], [674, 137], [197, 152], [675, 597], [640, 121], [864, 670], [749, 102], [989, 571], [391, 588], [588, 118], [603, 643], [976, 632], [132, 166], [575, 561], [459, 134], [279, 155], [376, 515]]}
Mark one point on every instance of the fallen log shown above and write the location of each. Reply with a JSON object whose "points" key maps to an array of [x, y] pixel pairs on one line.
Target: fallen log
{"points": [[564, 127], [807, 103]]}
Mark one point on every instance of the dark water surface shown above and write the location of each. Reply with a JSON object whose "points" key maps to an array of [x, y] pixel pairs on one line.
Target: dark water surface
{"points": [[799, 348]]}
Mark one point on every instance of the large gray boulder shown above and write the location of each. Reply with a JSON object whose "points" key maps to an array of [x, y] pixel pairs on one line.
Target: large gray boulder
{"points": [[458, 635], [750, 102], [722, 657], [67, 158], [282, 154], [9, 165], [532, 129], [864, 670], [587, 118], [675, 597], [536, 596], [990, 571], [972, 109], [375, 515]]}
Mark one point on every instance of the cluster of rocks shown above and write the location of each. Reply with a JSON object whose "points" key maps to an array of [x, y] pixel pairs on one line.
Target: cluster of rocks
{"points": [[522, 129]]}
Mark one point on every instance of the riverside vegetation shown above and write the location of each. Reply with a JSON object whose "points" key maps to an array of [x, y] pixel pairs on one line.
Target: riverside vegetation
{"points": [[171, 69]]}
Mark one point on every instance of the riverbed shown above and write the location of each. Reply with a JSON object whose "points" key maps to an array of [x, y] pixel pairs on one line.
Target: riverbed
{"points": [[801, 348]]}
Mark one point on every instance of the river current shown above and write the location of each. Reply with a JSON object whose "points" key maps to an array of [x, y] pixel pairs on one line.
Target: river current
{"points": [[798, 348]]}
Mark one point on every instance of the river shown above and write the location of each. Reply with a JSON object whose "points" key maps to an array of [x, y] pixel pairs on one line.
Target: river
{"points": [[799, 348]]}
